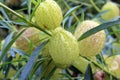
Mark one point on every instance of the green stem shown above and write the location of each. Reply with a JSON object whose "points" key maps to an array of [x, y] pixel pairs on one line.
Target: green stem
{"points": [[72, 12], [94, 5], [21, 17], [81, 64]]}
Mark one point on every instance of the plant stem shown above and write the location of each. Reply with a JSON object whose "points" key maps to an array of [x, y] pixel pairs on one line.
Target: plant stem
{"points": [[21, 17], [81, 64], [94, 5]]}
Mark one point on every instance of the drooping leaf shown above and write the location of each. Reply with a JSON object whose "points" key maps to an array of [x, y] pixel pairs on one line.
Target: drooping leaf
{"points": [[88, 73], [29, 66], [4, 51]]}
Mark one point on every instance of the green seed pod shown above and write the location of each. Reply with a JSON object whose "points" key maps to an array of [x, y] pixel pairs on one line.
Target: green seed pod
{"points": [[30, 39], [113, 10], [93, 44], [48, 15], [113, 64], [63, 48]]}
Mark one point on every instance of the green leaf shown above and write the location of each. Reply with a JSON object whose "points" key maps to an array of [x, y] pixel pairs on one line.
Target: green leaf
{"points": [[5, 24], [71, 10], [88, 73], [29, 7], [82, 15], [4, 51], [36, 6], [30, 64], [99, 28], [4, 13], [7, 40], [17, 73]]}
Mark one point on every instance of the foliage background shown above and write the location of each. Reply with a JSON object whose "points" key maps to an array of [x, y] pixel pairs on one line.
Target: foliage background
{"points": [[74, 11]]}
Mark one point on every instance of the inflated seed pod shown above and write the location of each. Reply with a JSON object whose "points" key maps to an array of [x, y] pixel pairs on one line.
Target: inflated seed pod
{"points": [[113, 10], [63, 47], [113, 64], [93, 44], [48, 15], [30, 39]]}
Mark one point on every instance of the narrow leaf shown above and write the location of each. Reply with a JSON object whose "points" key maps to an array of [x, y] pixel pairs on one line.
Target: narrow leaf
{"points": [[29, 7], [30, 64], [71, 10], [7, 25], [99, 28], [4, 51], [88, 73], [36, 6], [4, 13], [7, 40]]}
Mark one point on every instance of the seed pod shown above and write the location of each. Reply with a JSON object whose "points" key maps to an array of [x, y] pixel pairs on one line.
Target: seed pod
{"points": [[113, 64], [48, 15], [113, 10], [63, 48], [93, 44], [30, 36]]}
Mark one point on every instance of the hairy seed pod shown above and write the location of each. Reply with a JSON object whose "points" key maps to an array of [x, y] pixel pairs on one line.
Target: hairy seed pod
{"points": [[48, 15], [113, 10], [93, 44], [30, 39], [113, 64], [63, 47]]}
